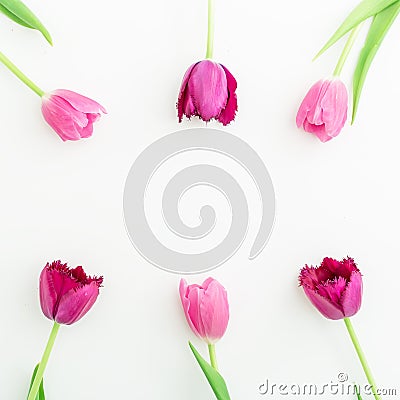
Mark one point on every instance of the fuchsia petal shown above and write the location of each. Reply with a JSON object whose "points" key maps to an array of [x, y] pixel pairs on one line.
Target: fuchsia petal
{"points": [[228, 113], [60, 120], [208, 89], [334, 105], [352, 296], [190, 302], [333, 290], [309, 103], [185, 105], [76, 303], [79, 102], [324, 306], [214, 310]]}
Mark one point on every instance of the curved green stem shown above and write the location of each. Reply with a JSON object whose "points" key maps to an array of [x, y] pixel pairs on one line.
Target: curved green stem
{"points": [[20, 75], [43, 362], [213, 356], [346, 50], [210, 31], [362, 358]]}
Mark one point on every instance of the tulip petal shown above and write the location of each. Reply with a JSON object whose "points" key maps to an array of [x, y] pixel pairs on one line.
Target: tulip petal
{"points": [[228, 113], [333, 290], [308, 104], [76, 303], [185, 104], [334, 105], [351, 299], [208, 89], [214, 310], [60, 120], [324, 306], [190, 302], [79, 102]]}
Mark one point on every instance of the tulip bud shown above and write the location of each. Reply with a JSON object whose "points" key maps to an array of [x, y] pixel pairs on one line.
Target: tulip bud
{"points": [[70, 114], [323, 111], [66, 294], [335, 287], [206, 309], [208, 91]]}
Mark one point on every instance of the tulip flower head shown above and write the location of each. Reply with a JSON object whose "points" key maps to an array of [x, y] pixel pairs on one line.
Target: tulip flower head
{"points": [[66, 294], [335, 287], [206, 308], [70, 114], [323, 111], [208, 91]]}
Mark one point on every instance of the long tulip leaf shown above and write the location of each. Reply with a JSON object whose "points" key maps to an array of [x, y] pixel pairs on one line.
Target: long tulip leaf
{"points": [[40, 395], [364, 10], [21, 14], [377, 31], [214, 378]]}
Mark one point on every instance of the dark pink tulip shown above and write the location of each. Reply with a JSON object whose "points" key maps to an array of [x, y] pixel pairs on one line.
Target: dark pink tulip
{"points": [[206, 308], [323, 111], [335, 287], [208, 91], [70, 114], [66, 294]]}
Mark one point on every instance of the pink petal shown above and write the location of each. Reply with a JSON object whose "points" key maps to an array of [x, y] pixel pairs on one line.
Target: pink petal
{"points": [[76, 303], [185, 104], [334, 105], [60, 120], [214, 309], [208, 89], [228, 113], [190, 302], [352, 296], [333, 290], [309, 103], [81, 103], [324, 306]]}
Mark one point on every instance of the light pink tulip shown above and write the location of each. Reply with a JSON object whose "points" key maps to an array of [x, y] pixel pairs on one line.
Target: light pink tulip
{"points": [[335, 287], [66, 294], [70, 114], [208, 91], [323, 111], [206, 308]]}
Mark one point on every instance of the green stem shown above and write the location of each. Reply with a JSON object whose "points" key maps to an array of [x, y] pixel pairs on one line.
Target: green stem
{"points": [[362, 358], [43, 362], [20, 75], [345, 53], [210, 32], [213, 356]]}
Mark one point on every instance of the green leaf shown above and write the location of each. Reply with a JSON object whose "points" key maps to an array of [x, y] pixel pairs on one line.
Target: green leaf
{"points": [[40, 395], [21, 14], [377, 31], [364, 10], [214, 378]]}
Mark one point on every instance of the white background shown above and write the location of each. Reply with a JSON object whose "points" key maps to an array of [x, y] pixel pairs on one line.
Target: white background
{"points": [[64, 200]]}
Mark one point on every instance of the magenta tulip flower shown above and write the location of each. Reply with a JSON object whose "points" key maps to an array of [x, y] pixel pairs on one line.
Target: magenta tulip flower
{"points": [[335, 287], [206, 309], [66, 294], [323, 111], [208, 91], [70, 114]]}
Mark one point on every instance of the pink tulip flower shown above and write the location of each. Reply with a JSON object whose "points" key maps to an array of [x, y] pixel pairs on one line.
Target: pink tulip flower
{"points": [[335, 287], [70, 114], [208, 91], [206, 309], [323, 111], [66, 294]]}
